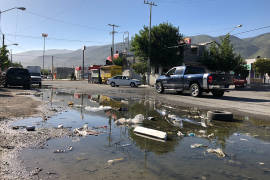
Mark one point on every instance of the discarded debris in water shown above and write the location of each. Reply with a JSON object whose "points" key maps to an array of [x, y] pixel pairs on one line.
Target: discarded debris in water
{"points": [[96, 109], [85, 132], [151, 132], [151, 118], [191, 134], [70, 148], [110, 162], [193, 146], [179, 133], [217, 151], [136, 120]]}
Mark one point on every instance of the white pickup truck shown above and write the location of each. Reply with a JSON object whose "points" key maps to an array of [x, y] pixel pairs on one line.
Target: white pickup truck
{"points": [[35, 73]]}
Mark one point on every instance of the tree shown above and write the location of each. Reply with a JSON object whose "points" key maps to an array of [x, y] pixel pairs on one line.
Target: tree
{"points": [[118, 61], [262, 66], [162, 36], [221, 57], [140, 67], [15, 64], [4, 62]]}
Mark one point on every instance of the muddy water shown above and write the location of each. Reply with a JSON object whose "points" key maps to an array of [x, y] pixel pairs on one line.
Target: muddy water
{"points": [[246, 143]]}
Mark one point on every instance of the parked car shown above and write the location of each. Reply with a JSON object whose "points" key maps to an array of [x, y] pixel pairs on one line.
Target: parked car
{"points": [[123, 81], [194, 80], [35, 73], [238, 82], [17, 77]]}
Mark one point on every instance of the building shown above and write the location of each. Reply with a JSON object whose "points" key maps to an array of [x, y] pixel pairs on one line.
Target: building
{"points": [[193, 53], [255, 77], [63, 72]]}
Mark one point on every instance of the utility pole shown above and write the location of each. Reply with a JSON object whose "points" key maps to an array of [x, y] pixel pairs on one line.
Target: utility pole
{"points": [[149, 49], [52, 68], [3, 43], [113, 32], [11, 56], [83, 48], [44, 35]]}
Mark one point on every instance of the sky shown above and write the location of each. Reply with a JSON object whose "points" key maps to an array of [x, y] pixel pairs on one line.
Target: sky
{"points": [[70, 24]]}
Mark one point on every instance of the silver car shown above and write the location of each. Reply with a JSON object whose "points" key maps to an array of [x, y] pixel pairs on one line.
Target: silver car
{"points": [[123, 81]]}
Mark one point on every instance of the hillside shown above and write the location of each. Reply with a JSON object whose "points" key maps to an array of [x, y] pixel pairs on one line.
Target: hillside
{"points": [[248, 48]]}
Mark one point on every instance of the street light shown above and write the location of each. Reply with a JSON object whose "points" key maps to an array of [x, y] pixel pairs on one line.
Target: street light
{"points": [[14, 44], [238, 26], [20, 8], [44, 35]]}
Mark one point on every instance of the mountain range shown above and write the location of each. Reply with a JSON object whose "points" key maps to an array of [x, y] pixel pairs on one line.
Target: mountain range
{"points": [[246, 47]]}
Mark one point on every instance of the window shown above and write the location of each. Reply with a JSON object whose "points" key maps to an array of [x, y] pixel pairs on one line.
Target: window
{"points": [[118, 77], [179, 71], [195, 70], [171, 72]]}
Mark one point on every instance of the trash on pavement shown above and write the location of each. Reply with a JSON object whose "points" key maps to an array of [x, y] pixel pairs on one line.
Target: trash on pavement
{"points": [[30, 128], [151, 132], [70, 103], [217, 151], [60, 126], [96, 109], [193, 146], [110, 162]]}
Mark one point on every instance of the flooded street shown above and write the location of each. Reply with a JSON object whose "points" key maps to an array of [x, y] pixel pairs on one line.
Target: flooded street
{"points": [[115, 152]]}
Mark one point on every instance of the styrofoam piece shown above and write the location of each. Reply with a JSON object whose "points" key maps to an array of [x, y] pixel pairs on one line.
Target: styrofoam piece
{"points": [[151, 132], [96, 109], [148, 137]]}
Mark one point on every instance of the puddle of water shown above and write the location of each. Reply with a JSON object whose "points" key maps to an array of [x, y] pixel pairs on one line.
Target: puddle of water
{"points": [[246, 143]]}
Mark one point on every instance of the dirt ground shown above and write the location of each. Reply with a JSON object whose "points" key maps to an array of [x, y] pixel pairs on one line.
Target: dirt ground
{"points": [[14, 105]]}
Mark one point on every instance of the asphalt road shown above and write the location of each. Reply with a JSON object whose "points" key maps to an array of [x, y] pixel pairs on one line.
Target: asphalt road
{"points": [[247, 101]]}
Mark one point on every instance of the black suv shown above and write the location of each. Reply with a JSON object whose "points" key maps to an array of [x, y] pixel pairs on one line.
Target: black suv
{"points": [[17, 77]]}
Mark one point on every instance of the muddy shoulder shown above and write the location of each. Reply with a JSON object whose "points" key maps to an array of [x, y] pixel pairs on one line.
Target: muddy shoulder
{"points": [[16, 104]]}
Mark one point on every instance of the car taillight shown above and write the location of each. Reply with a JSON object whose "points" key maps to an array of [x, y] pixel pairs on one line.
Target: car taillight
{"points": [[210, 79]]}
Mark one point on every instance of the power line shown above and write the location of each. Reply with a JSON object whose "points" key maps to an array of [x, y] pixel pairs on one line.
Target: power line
{"points": [[53, 38], [252, 30], [65, 22]]}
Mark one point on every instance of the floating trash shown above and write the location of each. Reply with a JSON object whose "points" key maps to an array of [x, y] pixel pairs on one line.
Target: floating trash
{"points": [[217, 151]]}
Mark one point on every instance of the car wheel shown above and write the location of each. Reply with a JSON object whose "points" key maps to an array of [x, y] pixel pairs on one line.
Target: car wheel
{"points": [[28, 86], [159, 87], [220, 115], [113, 84], [195, 90], [132, 84], [217, 93]]}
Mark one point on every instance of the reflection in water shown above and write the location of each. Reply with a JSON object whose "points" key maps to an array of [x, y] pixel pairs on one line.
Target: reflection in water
{"points": [[146, 158]]}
